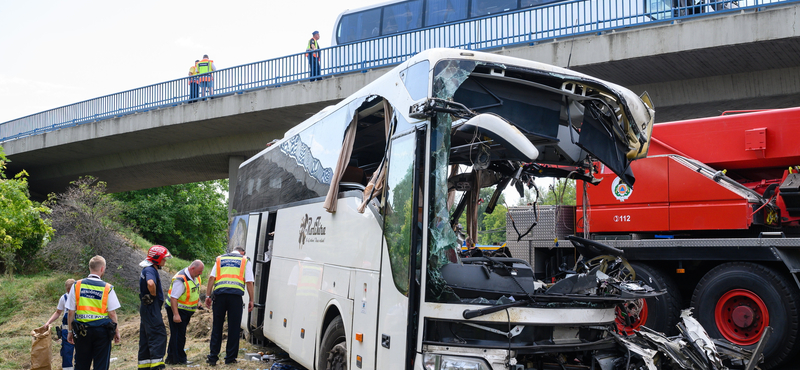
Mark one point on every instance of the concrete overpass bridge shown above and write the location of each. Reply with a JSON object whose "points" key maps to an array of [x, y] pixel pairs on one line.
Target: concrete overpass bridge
{"points": [[692, 66]]}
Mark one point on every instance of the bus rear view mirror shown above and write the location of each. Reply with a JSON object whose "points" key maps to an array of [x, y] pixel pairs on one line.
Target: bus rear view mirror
{"points": [[503, 133]]}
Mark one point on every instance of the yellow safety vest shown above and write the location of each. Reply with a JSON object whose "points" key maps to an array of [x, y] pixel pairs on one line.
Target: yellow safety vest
{"points": [[188, 300], [204, 66], [91, 300], [313, 43], [230, 274]]}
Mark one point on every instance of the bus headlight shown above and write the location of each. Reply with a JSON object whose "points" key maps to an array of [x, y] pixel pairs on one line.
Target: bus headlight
{"points": [[433, 361]]}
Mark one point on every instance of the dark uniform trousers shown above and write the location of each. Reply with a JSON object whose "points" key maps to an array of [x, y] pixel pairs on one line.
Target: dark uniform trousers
{"points": [[177, 336], [152, 333], [95, 348], [231, 304]]}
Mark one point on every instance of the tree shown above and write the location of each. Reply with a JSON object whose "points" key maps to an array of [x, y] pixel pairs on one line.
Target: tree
{"points": [[189, 219], [560, 193], [85, 218], [22, 227]]}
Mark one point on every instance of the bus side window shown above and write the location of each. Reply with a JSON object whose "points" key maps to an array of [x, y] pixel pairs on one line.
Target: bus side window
{"points": [[402, 17], [486, 7], [445, 11]]}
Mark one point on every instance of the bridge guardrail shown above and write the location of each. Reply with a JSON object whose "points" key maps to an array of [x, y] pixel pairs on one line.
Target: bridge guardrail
{"points": [[531, 25]]}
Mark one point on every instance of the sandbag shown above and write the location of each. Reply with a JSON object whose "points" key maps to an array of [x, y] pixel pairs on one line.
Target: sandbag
{"points": [[40, 348]]}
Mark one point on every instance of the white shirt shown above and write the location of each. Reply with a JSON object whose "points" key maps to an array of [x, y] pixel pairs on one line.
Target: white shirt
{"points": [[178, 287], [248, 273], [113, 302], [62, 303]]}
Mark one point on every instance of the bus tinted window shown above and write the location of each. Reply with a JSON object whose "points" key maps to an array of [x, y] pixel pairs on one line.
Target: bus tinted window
{"points": [[402, 17], [486, 7], [445, 11], [359, 26]]}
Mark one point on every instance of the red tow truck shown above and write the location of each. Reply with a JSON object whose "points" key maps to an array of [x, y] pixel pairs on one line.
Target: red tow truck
{"points": [[713, 218]]}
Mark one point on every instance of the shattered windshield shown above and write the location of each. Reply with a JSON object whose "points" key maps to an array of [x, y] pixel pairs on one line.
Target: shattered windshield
{"points": [[495, 126]]}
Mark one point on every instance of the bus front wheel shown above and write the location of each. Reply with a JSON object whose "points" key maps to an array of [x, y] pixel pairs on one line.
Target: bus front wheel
{"points": [[333, 349]]}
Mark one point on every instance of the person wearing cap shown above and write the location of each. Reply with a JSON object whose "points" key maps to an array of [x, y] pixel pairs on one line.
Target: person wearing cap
{"points": [[204, 69], [194, 83], [312, 53], [229, 278], [152, 332]]}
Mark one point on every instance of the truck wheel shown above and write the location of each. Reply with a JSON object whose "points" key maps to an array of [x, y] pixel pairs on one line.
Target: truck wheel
{"points": [[333, 349], [658, 313], [737, 300]]}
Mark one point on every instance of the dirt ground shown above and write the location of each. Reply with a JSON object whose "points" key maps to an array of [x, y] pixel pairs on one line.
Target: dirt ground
{"points": [[198, 334]]}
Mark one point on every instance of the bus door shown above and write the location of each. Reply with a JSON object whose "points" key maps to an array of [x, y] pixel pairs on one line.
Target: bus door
{"points": [[261, 265], [254, 232], [399, 292]]}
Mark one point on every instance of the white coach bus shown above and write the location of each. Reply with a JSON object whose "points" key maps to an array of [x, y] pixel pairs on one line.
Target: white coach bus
{"points": [[351, 218]]}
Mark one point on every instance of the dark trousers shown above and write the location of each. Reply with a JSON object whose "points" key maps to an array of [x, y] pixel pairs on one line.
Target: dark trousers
{"points": [[152, 336], [314, 67], [194, 90], [95, 348], [67, 350], [177, 336], [233, 305]]}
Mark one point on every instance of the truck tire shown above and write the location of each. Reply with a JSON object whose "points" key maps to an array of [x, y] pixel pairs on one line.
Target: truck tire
{"points": [[333, 348], [658, 313], [737, 300]]}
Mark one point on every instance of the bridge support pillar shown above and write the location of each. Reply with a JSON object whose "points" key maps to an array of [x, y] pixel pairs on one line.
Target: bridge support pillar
{"points": [[233, 178]]}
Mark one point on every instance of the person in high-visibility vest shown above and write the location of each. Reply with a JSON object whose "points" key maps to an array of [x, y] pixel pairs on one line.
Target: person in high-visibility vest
{"points": [[92, 318], [229, 277], [312, 53], [204, 69], [152, 332], [183, 299], [194, 82], [67, 349]]}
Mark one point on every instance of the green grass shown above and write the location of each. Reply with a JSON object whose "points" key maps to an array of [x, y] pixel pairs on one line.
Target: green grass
{"points": [[176, 264], [128, 299]]}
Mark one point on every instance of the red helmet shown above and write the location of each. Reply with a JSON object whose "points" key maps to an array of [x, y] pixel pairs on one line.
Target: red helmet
{"points": [[157, 254]]}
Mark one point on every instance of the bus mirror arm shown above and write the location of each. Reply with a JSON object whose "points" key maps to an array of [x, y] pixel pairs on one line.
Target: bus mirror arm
{"points": [[469, 314]]}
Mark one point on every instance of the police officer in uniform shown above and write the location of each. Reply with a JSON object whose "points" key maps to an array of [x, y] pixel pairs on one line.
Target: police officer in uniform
{"points": [[92, 318], [312, 52], [152, 332], [226, 284], [183, 298], [203, 71]]}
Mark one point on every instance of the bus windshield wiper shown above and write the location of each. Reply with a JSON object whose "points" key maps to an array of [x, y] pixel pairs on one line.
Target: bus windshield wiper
{"points": [[469, 314]]}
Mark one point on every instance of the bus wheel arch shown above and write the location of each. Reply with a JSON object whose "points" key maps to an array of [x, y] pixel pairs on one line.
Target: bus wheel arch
{"points": [[657, 313], [333, 345], [763, 292]]}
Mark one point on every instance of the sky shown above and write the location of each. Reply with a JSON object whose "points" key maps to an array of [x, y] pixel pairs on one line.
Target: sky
{"points": [[56, 53]]}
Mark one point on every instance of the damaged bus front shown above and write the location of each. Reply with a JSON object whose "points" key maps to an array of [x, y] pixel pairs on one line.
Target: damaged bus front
{"points": [[492, 121], [376, 185]]}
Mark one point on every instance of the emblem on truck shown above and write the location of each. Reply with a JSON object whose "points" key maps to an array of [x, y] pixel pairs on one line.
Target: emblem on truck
{"points": [[621, 190], [310, 229]]}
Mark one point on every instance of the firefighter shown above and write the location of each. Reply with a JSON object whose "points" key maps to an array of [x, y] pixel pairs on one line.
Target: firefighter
{"points": [[183, 298], [226, 284], [152, 332], [92, 318]]}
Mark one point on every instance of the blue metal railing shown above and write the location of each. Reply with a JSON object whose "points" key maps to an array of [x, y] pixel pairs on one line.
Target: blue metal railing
{"points": [[526, 26]]}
